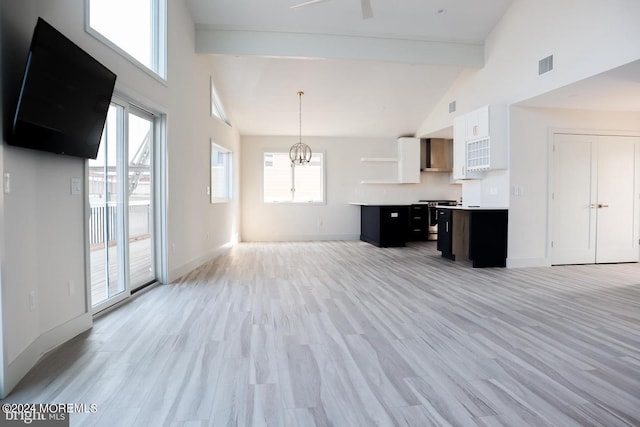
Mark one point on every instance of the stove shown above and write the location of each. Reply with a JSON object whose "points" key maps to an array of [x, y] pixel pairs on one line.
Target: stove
{"points": [[434, 203], [432, 219]]}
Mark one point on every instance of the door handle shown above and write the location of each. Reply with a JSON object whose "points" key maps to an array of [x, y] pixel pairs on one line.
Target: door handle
{"points": [[602, 206]]}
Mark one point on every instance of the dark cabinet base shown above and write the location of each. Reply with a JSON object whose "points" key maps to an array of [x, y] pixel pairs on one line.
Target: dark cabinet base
{"points": [[384, 226], [475, 234], [488, 238]]}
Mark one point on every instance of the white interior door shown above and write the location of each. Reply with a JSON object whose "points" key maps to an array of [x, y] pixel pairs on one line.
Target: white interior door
{"points": [[595, 199], [573, 199], [617, 215]]}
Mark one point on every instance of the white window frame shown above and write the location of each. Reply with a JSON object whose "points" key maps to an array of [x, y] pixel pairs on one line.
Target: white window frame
{"points": [[292, 200], [217, 109], [227, 173], [159, 40]]}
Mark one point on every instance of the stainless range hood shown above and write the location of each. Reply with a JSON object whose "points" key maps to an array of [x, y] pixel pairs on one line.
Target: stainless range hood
{"points": [[436, 155]]}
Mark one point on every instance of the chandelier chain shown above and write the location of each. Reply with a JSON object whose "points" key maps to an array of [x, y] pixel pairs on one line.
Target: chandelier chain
{"points": [[300, 114]]}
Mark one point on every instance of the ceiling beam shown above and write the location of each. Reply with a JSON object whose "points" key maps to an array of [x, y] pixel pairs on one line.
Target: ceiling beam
{"points": [[304, 45]]}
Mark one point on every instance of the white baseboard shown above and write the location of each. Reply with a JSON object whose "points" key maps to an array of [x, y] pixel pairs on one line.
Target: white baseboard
{"points": [[180, 271], [527, 262], [305, 238], [46, 342]]}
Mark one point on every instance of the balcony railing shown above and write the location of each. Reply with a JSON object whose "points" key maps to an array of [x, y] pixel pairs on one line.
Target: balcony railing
{"points": [[103, 225]]}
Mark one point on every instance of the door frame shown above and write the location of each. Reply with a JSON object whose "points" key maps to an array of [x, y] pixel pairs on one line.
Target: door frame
{"points": [[552, 132], [159, 199]]}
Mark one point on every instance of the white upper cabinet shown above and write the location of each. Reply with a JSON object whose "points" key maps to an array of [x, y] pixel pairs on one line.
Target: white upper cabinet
{"points": [[408, 160], [481, 141], [460, 170], [477, 123]]}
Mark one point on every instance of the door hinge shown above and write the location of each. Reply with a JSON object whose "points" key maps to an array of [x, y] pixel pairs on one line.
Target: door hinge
{"points": [[552, 243]]}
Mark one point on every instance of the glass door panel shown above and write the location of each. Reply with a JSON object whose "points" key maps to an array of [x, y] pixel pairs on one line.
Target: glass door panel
{"points": [[105, 226], [140, 203]]}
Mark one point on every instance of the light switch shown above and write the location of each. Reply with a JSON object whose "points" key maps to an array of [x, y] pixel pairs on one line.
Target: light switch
{"points": [[76, 188]]}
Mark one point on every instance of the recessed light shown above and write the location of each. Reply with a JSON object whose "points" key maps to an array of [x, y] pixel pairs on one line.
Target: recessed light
{"points": [[442, 11]]}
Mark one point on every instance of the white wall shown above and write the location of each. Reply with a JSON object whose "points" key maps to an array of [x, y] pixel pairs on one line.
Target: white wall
{"points": [[336, 219], [43, 239], [530, 168], [191, 216], [586, 37]]}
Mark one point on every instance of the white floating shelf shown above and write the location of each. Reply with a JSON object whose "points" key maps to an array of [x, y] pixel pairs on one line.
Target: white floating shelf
{"points": [[379, 182], [379, 159]]}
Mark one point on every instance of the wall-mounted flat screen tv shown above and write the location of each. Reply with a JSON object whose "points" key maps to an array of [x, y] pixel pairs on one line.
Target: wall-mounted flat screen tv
{"points": [[64, 98]]}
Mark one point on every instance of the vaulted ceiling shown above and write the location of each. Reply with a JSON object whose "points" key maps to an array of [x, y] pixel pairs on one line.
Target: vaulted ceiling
{"points": [[375, 77]]}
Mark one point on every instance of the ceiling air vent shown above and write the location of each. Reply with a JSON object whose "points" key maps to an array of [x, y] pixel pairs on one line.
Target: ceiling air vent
{"points": [[452, 107], [545, 65]]}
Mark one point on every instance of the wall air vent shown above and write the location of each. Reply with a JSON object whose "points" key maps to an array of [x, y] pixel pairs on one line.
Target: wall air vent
{"points": [[452, 107], [545, 65]]}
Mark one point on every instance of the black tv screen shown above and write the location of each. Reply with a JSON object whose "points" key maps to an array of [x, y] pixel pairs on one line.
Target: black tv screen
{"points": [[64, 98]]}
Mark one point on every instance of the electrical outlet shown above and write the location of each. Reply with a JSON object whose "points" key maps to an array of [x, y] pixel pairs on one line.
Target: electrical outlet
{"points": [[7, 182], [72, 287], [76, 188], [32, 300]]}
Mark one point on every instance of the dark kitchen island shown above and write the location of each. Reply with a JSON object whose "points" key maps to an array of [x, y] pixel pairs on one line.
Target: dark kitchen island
{"points": [[477, 234], [384, 225]]}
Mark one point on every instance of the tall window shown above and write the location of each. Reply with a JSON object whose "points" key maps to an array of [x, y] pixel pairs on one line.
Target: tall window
{"points": [[137, 27], [284, 182], [221, 174], [217, 109]]}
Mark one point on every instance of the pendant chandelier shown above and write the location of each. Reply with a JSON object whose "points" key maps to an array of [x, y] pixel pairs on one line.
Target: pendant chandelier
{"points": [[300, 153]]}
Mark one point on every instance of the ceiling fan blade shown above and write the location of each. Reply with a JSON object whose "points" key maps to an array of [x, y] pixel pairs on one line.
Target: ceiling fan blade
{"points": [[367, 11], [307, 3]]}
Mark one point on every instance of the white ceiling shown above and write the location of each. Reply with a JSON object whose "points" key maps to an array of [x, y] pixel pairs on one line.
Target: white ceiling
{"points": [[614, 90], [343, 96], [388, 96], [463, 21]]}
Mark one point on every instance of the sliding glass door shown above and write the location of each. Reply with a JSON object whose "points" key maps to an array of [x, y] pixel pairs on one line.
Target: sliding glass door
{"points": [[121, 224], [105, 219], [140, 200]]}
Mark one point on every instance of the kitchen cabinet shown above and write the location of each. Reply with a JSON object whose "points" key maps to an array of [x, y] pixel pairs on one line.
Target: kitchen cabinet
{"points": [[475, 234], [409, 160], [444, 233], [418, 223], [384, 225], [477, 123], [460, 170], [481, 142]]}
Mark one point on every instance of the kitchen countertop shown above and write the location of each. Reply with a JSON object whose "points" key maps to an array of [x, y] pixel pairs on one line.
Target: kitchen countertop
{"points": [[475, 208], [393, 204], [381, 204]]}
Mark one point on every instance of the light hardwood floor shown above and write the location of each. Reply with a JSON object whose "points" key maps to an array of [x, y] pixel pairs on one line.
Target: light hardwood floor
{"points": [[347, 334]]}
